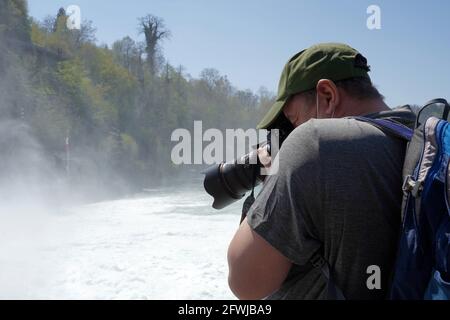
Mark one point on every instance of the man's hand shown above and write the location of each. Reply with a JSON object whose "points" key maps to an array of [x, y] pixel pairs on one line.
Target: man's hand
{"points": [[256, 269], [264, 157]]}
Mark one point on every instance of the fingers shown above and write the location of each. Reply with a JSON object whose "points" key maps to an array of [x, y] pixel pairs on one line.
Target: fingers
{"points": [[264, 157]]}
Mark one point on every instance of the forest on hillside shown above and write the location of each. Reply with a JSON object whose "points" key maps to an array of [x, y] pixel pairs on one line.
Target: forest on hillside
{"points": [[97, 116]]}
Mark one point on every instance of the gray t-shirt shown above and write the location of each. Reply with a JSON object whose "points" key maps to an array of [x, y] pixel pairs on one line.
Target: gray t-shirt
{"points": [[338, 189]]}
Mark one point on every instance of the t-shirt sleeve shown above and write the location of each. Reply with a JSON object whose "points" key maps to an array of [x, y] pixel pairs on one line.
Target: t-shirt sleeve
{"points": [[284, 211]]}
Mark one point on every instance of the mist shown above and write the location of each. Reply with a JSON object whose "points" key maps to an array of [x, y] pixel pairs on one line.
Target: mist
{"points": [[85, 162], [36, 186]]}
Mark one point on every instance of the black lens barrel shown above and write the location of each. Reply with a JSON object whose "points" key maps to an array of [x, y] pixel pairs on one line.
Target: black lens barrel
{"points": [[228, 182]]}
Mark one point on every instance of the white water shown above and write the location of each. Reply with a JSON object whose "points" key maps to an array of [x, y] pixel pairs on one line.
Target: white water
{"points": [[164, 245]]}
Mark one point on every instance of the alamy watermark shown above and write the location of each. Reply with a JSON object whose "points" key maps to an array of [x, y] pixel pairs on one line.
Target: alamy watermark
{"points": [[374, 280], [73, 17], [214, 147], [374, 20]]}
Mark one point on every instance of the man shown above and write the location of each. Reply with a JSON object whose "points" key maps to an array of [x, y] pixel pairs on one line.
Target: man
{"points": [[337, 193]]}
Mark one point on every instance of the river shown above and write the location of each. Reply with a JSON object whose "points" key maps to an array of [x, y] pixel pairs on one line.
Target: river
{"points": [[165, 244]]}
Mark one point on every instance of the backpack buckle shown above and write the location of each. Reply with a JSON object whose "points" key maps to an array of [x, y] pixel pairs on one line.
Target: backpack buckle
{"points": [[317, 261], [410, 185]]}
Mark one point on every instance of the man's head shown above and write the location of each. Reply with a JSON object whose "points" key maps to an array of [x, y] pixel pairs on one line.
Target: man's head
{"points": [[327, 80]]}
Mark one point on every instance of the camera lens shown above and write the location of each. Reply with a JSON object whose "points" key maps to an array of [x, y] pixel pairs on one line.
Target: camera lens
{"points": [[230, 181]]}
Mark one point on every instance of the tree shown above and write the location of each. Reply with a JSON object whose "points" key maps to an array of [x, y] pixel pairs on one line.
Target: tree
{"points": [[118, 109], [155, 31], [126, 51], [247, 99], [211, 77], [63, 38], [86, 34], [60, 21], [14, 19]]}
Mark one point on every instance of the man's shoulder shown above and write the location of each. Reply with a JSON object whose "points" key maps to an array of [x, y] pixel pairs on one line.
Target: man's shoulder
{"points": [[343, 129], [319, 142], [349, 128]]}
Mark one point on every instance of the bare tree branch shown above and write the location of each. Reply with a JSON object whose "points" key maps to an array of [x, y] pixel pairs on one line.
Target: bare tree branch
{"points": [[155, 31]]}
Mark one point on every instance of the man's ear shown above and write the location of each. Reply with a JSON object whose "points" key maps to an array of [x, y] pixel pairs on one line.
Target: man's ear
{"points": [[328, 98]]}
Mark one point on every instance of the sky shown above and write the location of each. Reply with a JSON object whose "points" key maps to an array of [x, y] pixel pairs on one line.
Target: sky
{"points": [[251, 40]]}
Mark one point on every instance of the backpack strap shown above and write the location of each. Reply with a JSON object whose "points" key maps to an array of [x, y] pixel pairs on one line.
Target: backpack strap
{"points": [[389, 126], [319, 262]]}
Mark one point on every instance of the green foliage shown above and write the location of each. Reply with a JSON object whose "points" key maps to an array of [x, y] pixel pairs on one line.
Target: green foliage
{"points": [[112, 101], [14, 19]]}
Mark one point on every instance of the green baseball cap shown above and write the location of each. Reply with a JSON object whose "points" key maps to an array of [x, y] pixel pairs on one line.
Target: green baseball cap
{"points": [[333, 61]]}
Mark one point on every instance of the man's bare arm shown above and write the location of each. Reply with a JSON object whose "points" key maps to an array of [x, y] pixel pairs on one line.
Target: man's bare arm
{"points": [[256, 269]]}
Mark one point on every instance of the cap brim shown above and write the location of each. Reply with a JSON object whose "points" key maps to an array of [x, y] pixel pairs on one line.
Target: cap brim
{"points": [[272, 114]]}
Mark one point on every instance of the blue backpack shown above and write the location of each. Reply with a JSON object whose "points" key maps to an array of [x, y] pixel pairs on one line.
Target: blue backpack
{"points": [[422, 266]]}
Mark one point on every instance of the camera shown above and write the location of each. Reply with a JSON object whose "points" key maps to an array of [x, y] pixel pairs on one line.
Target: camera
{"points": [[228, 182]]}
